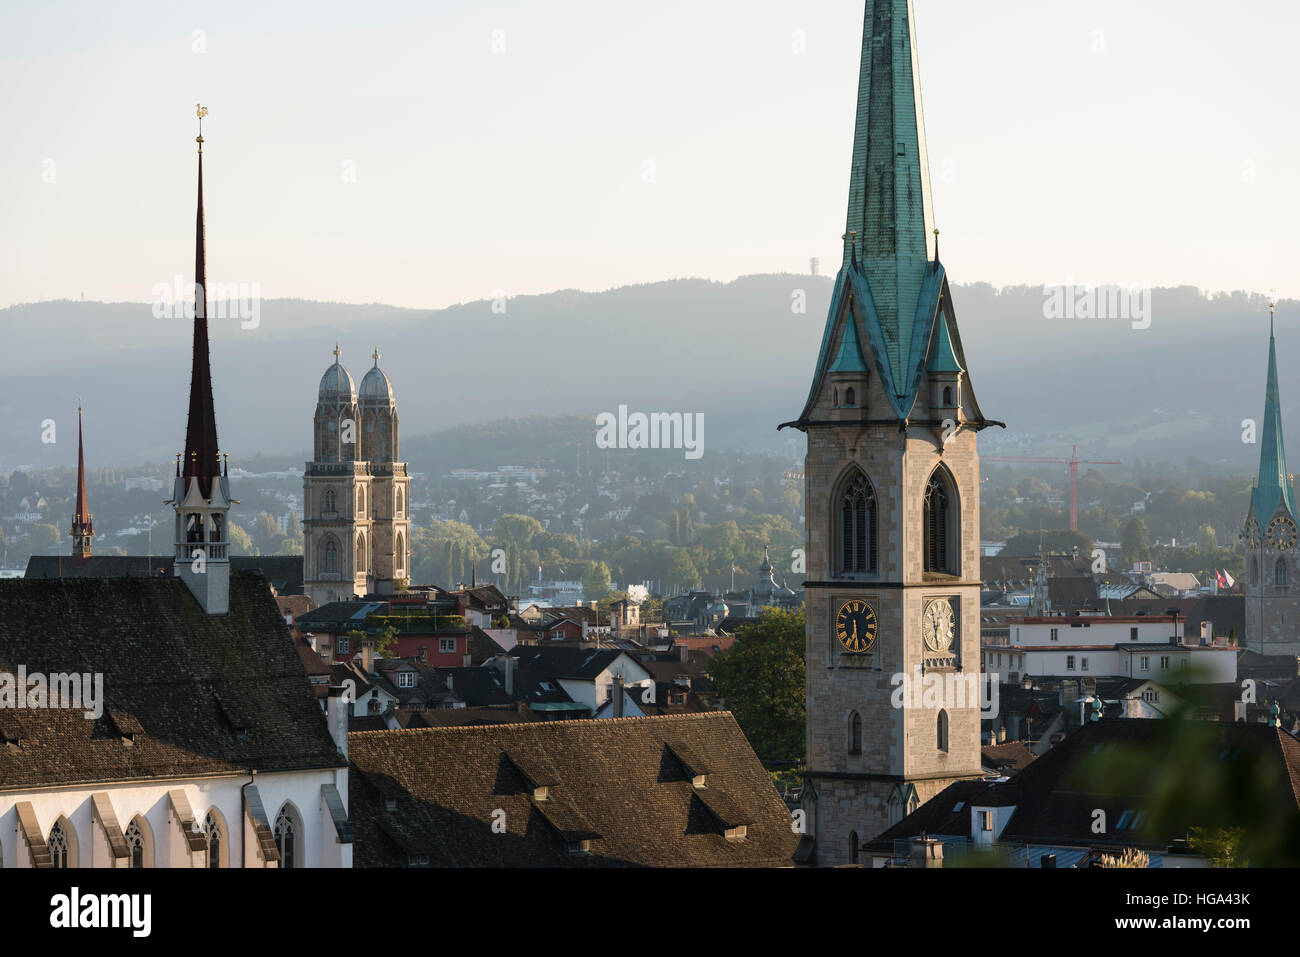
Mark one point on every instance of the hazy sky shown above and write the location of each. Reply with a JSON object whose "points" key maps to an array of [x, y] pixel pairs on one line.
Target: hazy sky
{"points": [[1135, 141]]}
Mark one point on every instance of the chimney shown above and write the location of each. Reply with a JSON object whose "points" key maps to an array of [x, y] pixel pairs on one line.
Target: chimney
{"points": [[926, 852], [368, 657], [617, 692], [510, 676], [684, 652], [422, 653], [1002, 735], [336, 717], [1069, 691]]}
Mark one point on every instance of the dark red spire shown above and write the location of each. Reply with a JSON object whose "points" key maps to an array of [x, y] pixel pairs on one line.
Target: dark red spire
{"points": [[83, 527], [201, 459]]}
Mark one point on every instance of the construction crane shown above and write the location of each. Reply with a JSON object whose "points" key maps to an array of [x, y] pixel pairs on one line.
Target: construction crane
{"points": [[1073, 461]]}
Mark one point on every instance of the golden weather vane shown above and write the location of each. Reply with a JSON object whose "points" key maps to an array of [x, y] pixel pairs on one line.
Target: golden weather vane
{"points": [[201, 111]]}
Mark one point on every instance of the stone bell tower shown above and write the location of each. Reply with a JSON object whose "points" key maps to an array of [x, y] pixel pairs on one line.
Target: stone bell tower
{"points": [[891, 489]]}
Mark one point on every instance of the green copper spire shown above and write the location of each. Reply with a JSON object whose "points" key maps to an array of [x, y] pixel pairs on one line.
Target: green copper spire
{"points": [[890, 217], [1274, 484], [888, 293]]}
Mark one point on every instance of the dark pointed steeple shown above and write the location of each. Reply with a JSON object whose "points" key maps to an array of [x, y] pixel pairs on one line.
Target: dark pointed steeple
{"points": [[83, 525], [1274, 485], [201, 459]]}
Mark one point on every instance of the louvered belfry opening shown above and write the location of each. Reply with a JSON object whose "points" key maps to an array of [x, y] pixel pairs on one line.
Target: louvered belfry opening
{"points": [[858, 527], [938, 526]]}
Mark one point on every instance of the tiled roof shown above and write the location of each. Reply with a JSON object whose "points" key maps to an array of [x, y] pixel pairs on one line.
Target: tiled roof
{"points": [[1009, 756], [1056, 796], [187, 693], [1055, 804], [619, 783], [283, 572]]}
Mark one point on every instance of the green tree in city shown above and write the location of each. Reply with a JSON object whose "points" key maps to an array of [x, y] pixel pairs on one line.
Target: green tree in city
{"points": [[760, 679], [595, 582], [1136, 543]]}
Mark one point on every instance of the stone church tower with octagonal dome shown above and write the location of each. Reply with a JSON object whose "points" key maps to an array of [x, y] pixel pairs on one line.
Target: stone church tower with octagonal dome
{"points": [[356, 496]]}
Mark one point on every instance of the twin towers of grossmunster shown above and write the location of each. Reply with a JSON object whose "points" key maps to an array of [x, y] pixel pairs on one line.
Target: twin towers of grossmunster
{"points": [[356, 494]]}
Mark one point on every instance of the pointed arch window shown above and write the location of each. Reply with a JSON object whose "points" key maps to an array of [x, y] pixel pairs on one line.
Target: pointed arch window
{"points": [[939, 526], [1279, 573], [942, 731], [850, 398], [1254, 570], [855, 733], [361, 554], [361, 501], [216, 838], [401, 551], [329, 505], [857, 527], [286, 837], [60, 845], [138, 844], [853, 847], [399, 502], [329, 560]]}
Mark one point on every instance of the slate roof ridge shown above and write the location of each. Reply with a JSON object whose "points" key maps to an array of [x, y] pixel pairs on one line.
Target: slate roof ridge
{"points": [[584, 722]]}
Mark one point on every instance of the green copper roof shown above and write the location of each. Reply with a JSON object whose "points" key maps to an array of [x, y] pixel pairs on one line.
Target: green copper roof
{"points": [[1274, 485], [850, 358], [942, 356], [890, 219], [891, 280]]}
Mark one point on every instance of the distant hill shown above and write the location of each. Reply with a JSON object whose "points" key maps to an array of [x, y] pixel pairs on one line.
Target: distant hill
{"points": [[733, 351]]}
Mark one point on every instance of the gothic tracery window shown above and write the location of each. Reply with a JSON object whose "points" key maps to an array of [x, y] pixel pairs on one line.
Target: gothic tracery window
{"points": [[329, 556], [1279, 573], [212, 832], [858, 527], [329, 501], [58, 845], [286, 838], [135, 843]]}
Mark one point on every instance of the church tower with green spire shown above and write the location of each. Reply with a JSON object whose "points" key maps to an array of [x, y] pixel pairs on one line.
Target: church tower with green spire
{"points": [[891, 490], [1272, 588]]}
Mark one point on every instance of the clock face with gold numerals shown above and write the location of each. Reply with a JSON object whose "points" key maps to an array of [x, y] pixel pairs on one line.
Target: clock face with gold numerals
{"points": [[938, 624], [856, 626], [1281, 534]]}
